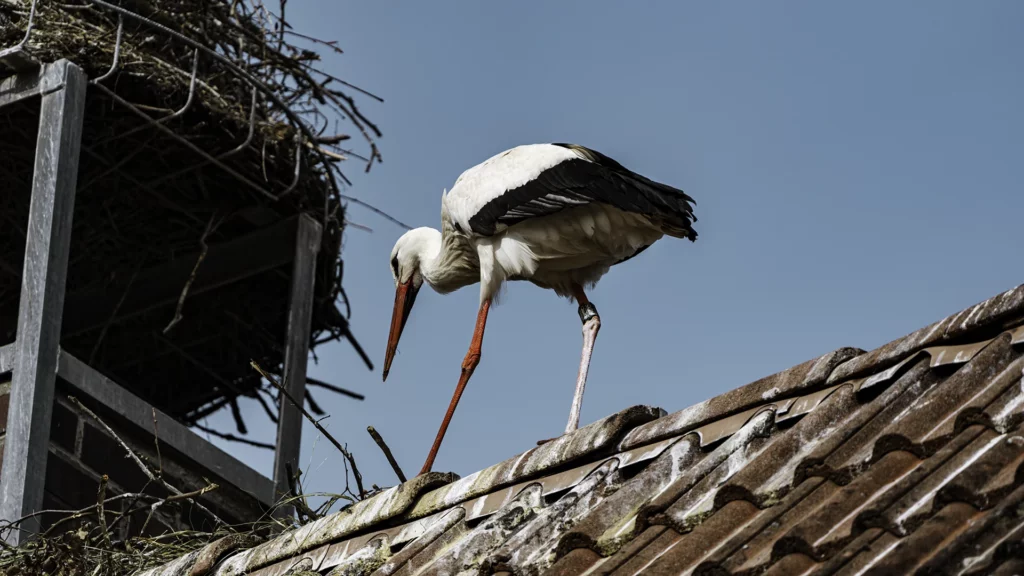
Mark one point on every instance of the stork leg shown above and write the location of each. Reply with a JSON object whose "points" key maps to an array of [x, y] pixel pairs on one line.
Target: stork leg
{"points": [[468, 366], [591, 325]]}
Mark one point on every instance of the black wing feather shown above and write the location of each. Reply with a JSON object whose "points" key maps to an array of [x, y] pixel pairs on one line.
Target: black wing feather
{"points": [[592, 178]]}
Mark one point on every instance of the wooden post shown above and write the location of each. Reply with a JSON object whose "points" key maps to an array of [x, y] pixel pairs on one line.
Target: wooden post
{"points": [[296, 355], [47, 244]]}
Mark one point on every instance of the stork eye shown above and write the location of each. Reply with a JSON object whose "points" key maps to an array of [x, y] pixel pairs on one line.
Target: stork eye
{"points": [[394, 265]]}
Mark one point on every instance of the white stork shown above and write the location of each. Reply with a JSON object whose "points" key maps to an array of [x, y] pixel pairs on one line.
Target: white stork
{"points": [[557, 215]]}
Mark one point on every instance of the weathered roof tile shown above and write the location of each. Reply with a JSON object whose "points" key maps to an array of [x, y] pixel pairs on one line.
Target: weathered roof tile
{"points": [[591, 441], [905, 458], [984, 316], [612, 522], [532, 549], [803, 377]]}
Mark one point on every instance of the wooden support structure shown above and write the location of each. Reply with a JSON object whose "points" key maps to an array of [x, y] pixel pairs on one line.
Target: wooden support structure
{"points": [[35, 360], [296, 354], [34, 366]]}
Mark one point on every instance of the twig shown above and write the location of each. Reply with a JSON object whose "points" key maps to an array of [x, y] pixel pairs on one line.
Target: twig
{"points": [[334, 139], [266, 407], [387, 452], [74, 514], [335, 389], [101, 496], [156, 444], [186, 496], [138, 462], [376, 211], [316, 423], [113, 315], [236, 413], [298, 500], [313, 406], [233, 438], [191, 277], [358, 226]]}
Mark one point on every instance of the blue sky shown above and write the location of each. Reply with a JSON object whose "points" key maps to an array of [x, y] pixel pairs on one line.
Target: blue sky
{"points": [[857, 169]]}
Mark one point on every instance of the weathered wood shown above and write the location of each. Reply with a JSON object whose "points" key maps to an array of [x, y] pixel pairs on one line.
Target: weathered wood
{"points": [[7, 357], [90, 383], [300, 314], [17, 59], [31, 78], [42, 298]]}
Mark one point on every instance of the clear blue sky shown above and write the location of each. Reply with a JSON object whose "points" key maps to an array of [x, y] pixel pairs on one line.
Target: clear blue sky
{"points": [[858, 171]]}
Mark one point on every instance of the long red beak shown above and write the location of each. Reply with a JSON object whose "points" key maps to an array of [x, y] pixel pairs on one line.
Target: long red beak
{"points": [[405, 297]]}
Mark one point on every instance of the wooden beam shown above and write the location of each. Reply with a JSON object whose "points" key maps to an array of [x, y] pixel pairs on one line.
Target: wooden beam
{"points": [[224, 264], [296, 354], [141, 414], [36, 350]]}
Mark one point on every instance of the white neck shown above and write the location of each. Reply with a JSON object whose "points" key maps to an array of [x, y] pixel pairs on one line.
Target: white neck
{"points": [[446, 262]]}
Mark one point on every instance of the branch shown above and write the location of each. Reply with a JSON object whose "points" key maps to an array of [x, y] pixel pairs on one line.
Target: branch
{"points": [[233, 438], [316, 423], [142, 465], [387, 452]]}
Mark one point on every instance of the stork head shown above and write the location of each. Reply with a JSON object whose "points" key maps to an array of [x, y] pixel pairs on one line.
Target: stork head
{"points": [[407, 258]]}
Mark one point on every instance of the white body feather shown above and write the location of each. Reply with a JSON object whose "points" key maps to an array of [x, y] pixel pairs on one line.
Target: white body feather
{"points": [[576, 245]]}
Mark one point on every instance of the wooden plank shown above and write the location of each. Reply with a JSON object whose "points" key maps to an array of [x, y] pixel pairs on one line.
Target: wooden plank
{"points": [[300, 314], [42, 299], [30, 79], [17, 59], [95, 385], [7, 357]]}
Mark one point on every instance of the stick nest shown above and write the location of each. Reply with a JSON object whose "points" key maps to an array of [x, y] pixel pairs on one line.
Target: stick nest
{"points": [[230, 79]]}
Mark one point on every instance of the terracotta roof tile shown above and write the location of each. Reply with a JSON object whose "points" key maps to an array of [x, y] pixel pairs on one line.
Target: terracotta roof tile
{"points": [[576, 562], [449, 527], [657, 544], [695, 546], [792, 565], [907, 458], [910, 499], [803, 377], [1013, 567], [988, 316]]}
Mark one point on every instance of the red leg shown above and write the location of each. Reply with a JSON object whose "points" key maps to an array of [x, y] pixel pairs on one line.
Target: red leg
{"points": [[580, 295], [468, 366]]}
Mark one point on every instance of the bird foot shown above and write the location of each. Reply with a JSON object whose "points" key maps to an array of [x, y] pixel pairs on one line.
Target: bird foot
{"points": [[542, 442]]}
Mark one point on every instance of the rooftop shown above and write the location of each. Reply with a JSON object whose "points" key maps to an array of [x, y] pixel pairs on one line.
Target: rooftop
{"points": [[906, 458]]}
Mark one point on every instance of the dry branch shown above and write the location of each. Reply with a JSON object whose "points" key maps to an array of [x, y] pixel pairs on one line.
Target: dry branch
{"points": [[298, 404]]}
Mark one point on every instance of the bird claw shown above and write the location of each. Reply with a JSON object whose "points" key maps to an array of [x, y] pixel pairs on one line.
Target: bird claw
{"points": [[542, 442]]}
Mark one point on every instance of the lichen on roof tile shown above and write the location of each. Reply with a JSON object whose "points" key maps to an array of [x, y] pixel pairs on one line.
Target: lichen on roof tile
{"points": [[441, 525], [466, 554], [913, 463], [178, 567], [364, 561], [612, 522], [699, 501], [984, 315], [802, 377], [772, 474], [359, 516], [592, 440], [531, 550]]}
